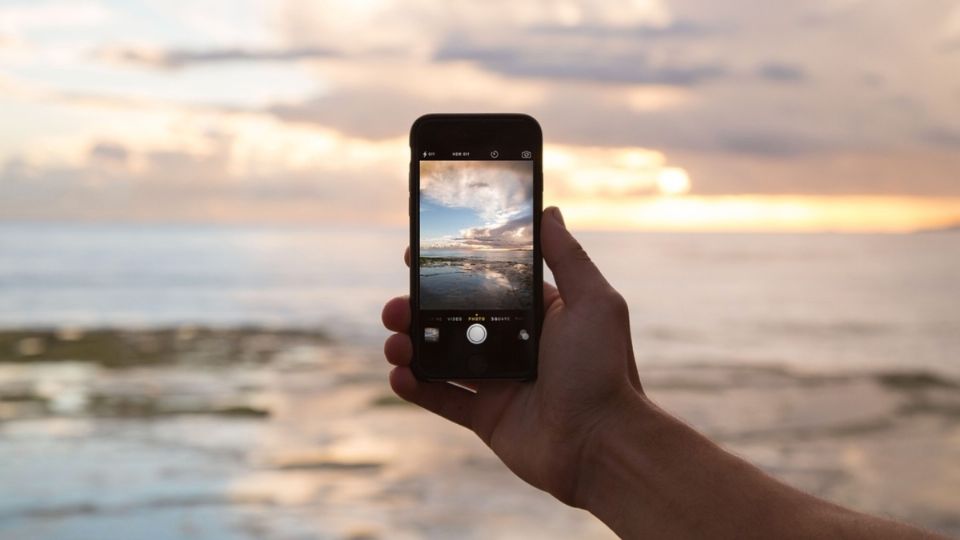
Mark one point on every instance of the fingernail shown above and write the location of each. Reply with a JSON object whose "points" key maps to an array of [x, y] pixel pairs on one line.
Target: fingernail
{"points": [[557, 216]]}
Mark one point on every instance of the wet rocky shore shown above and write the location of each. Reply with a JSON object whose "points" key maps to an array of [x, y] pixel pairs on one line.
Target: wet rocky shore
{"points": [[270, 433], [465, 283]]}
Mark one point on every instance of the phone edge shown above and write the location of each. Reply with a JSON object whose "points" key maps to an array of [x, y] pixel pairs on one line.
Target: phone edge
{"points": [[414, 222]]}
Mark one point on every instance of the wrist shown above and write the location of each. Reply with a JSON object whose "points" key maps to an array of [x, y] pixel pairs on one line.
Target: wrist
{"points": [[603, 450], [647, 474], [613, 457]]}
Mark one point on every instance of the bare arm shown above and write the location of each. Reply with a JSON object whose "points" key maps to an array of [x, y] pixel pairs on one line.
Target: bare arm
{"points": [[648, 475]]}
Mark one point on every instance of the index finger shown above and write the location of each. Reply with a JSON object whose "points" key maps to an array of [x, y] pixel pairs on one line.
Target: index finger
{"points": [[396, 314]]}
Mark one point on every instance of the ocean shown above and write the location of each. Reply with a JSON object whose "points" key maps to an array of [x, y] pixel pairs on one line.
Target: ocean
{"points": [[820, 302], [214, 382]]}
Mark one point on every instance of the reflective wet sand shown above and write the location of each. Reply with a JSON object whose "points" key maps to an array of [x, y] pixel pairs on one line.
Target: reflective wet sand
{"points": [[475, 283], [302, 438]]}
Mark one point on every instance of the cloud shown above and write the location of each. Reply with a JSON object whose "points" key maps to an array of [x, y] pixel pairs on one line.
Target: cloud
{"points": [[942, 136], [417, 25], [182, 187], [109, 152], [770, 143], [26, 17], [514, 234], [369, 112], [757, 100], [951, 31], [248, 170], [183, 58], [498, 191], [586, 64], [641, 32], [904, 172], [781, 72]]}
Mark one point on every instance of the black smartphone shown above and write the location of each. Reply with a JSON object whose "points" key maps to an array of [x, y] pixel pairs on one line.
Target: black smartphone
{"points": [[476, 271]]}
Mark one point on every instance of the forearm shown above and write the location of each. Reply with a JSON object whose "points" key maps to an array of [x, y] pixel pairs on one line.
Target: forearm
{"points": [[648, 475]]}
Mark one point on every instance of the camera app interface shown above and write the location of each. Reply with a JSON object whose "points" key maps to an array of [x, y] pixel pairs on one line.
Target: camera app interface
{"points": [[476, 262]]}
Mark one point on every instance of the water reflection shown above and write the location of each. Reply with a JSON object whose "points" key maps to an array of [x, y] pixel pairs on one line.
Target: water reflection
{"points": [[305, 438]]}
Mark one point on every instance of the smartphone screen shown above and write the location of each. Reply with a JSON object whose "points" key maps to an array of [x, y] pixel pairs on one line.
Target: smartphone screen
{"points": [[476, 271]]}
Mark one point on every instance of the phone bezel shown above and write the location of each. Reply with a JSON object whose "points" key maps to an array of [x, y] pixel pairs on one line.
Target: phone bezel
{"points": [[474, 130]]}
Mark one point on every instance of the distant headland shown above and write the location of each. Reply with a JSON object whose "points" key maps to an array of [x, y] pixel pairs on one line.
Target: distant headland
{"points": [[952, 227]]}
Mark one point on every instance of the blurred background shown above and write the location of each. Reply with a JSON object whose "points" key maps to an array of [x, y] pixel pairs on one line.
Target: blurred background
{"points": [[202, 210]]}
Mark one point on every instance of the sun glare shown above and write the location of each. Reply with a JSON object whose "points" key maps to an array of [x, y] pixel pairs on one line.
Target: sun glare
{"points": [[673, 181]]}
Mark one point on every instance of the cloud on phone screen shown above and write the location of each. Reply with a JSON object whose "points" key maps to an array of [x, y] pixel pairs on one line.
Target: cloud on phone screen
{"points": [[477, 204]]}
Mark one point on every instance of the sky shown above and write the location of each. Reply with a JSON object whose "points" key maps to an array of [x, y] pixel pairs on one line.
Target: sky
{"points": [[486, 205], [840, 115]]}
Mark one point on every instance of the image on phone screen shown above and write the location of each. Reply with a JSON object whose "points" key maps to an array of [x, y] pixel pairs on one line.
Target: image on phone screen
{"points": [[476, 235]]}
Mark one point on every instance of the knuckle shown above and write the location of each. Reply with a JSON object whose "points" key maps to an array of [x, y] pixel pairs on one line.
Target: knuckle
{"points": [[615, 303], [573, 255], [579, 253]]}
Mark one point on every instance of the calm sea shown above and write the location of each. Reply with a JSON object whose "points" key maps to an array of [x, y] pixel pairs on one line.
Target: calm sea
{"points": [[809, 302]]}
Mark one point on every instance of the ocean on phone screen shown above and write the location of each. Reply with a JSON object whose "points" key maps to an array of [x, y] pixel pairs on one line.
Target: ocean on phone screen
{"points": [[452, 279]]}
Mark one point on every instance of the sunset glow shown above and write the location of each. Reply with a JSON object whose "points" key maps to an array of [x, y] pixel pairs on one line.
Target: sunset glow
{"points": [[271, 112], [788, 213]]}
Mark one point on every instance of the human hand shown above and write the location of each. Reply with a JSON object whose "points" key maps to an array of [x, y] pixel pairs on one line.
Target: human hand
{"points": [[587, 375]]}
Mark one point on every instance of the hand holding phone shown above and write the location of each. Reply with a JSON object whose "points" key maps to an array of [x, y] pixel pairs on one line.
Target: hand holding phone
{"points": [[467, 169], [586, 377]]}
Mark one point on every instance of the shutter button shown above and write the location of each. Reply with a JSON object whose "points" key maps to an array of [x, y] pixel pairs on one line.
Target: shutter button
{"points": [[476, 334]]}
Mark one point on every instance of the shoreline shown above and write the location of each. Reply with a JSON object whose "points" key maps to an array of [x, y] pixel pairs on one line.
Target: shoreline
{"points": [[125, 347], [187, 348], [120, 346]]}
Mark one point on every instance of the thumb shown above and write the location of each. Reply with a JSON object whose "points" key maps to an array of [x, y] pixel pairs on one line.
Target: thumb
{"points": [[577, 277]]}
